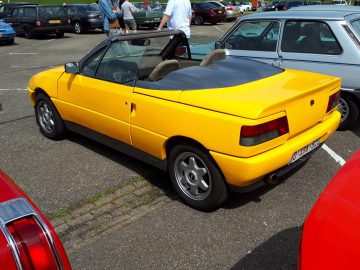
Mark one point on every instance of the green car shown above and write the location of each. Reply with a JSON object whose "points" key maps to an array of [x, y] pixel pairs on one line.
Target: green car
{"points": [[148, 18]]}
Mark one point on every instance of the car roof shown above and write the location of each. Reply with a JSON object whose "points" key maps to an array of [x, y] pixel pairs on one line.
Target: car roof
{"points": [[308, 12]]}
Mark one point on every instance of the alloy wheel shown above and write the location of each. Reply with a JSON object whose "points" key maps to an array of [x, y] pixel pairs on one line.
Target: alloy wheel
{"points": [[45, 117]]}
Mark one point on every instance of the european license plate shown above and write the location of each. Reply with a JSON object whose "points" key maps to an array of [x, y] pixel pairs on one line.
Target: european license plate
{"points": [[156, 19], [220, 11], [303, 151], [54, 21], [0, 35]]}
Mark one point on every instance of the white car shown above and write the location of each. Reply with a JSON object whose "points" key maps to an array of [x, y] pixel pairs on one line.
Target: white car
{"points": [[340, 3], [244, 6]]}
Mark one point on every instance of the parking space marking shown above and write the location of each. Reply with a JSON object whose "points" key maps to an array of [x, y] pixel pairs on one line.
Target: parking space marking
{"points": [[16, 53], [335, 156], [14, 89], [222, 31]]}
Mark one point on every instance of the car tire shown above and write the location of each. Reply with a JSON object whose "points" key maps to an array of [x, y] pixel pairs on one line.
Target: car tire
{"points": [[198, 20], [78, 29], [213, 23], [349, 110], [59, 34], [196, 177], [11, 42], [28, 32], [48, 118]]}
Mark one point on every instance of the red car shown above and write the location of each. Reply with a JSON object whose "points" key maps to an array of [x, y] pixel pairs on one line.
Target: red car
{"points": [[27, 239], [331, 232]]}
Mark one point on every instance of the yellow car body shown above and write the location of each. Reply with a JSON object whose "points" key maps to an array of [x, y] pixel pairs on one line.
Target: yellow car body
{"points": [[153, 120]]}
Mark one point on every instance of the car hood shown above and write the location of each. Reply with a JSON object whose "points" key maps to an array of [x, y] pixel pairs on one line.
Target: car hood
{"points": [[5, 26]]}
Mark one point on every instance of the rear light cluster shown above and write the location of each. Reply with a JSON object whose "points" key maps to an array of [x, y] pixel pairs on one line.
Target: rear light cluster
{"points": [[32, 244], [37, 23], [28, 236], [253, 135], [333, 101], [212, 12], [229, 8]]}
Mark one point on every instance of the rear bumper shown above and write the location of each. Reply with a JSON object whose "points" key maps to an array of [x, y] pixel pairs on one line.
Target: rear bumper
{"points": [[52, 29], [245, 171]]}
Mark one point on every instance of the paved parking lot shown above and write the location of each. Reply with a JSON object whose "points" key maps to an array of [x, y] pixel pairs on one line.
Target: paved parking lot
{"points": [[114, 212]]}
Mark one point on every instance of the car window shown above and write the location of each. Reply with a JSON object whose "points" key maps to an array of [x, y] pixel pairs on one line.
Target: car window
{"points": [[30, 12], [356, 25], [255, 36], [49, 11], [15, 13], [70, 10], [21, 12], [90, 65], [93, 8], [121, 61], [309, 37]]}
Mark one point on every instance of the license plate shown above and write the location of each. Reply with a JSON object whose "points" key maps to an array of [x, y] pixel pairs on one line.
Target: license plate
{"points": [[54, 21], [303, 151], [0, 35], [220, 11], [156, 19]]}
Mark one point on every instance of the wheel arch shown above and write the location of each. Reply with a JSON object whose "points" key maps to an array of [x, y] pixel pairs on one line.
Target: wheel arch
{"points": [[178, 140], [36, 92]]}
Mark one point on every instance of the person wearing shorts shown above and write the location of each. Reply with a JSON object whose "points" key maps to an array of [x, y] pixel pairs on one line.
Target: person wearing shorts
{"points": [[128, 10]]}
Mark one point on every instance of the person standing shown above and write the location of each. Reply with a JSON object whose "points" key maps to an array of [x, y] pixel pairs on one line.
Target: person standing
{"points": [[108, 14], [177, 15], [128, 10]]}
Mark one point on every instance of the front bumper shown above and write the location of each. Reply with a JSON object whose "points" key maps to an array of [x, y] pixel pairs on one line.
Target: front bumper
{"points": [[245, 171], [7, 36]]}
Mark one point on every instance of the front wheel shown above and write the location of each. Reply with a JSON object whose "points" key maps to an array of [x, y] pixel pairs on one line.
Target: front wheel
{"points": [[78, 28], [48, 119], [196, 178], [349, 112], [28, 32]]}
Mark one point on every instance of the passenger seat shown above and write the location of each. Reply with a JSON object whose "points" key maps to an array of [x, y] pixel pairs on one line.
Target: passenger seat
{"points": [[163, 69]]}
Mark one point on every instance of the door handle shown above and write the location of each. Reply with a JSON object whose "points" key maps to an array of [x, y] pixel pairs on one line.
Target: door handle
{"points": [[133, 109]]}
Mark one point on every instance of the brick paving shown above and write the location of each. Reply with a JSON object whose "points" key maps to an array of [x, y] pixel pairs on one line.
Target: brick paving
{"points": [[106, 212]]}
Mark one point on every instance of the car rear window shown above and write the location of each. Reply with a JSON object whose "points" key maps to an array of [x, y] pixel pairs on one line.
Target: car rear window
{"points": [[356, 25], [93, 8], [206, 5], [51, 11]]}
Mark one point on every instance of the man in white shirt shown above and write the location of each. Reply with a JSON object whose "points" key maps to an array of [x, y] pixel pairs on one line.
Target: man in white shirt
{"points": [[177, 15]]}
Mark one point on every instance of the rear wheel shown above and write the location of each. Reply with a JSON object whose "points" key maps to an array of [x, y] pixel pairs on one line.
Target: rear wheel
{"points": [[48, 118], [78, 28], [196, 177], [59, 34], [28, 32], [198, 20], [349, 112]]}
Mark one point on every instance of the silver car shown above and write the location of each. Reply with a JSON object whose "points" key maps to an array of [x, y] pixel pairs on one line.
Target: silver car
{"points": [[323, 39], [232, 12]]}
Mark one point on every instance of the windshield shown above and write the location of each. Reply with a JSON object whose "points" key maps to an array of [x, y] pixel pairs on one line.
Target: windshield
{"points": [[336, 2], [356, 25]]}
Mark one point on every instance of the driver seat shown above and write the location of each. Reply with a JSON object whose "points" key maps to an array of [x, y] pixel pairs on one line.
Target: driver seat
{"points": [[163, 69]]}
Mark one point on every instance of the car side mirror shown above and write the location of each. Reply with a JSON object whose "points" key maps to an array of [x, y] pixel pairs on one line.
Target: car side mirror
{"points": [[217, 45], [72, 68]]}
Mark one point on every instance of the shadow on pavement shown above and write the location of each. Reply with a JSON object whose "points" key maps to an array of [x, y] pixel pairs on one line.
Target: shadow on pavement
{"points": [[153, 175], [278, 252], [356, 128]]}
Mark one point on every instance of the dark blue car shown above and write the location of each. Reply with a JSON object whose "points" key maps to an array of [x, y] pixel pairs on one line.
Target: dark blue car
{"points": [[7, 33]]}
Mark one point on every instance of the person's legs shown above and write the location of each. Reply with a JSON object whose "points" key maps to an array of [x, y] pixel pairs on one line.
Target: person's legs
{"points": [[127, 25], [133, 25]]}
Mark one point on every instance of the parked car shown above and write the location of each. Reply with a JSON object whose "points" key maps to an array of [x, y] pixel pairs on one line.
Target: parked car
{"points": [[322, 39], [275, 5], [6, 8], [330, 236], [7, 33], [30, 20], [244, 6], [357, 3], [206, 12], [293, 4], [339, 3], [27, 239], [147, 97], [231, 12], [84, 17], [148, 18], [317, 3]]}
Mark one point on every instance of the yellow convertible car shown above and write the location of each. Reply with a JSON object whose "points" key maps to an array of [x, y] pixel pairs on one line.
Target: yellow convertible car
{"points": [[213, 125]]}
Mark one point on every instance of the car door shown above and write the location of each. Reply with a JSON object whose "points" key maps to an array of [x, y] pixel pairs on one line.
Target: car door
{"points": [[99, 98], [13, 20], [313, 46], [255, 39]]}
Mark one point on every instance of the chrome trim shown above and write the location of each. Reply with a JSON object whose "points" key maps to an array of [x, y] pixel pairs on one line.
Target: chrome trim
{"points": [[16, 209]]}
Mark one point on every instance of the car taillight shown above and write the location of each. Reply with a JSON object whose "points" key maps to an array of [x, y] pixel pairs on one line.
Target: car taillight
{"points": [[38, 23], [253, 135], [333, 101], [229, 8], [32, 244], [212, 12]]}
